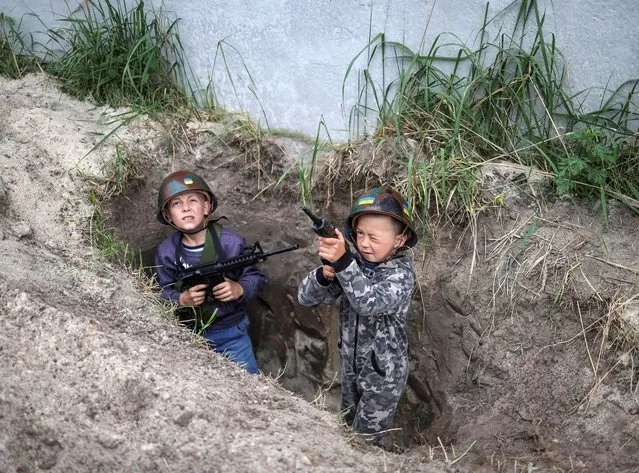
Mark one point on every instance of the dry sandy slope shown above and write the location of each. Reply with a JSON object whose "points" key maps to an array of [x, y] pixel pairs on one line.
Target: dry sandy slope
{"points": [[93, 378]]}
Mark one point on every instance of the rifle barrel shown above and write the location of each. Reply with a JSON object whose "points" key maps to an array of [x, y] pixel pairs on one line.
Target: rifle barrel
{"points": [[280, 250], [317, 220]]}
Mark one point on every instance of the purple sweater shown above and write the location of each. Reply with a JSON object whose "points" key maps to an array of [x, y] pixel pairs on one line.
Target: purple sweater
{"points": [[252, 279]]}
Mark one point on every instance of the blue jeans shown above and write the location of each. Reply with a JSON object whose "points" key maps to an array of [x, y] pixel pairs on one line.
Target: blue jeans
{"points": [[234, 343]]}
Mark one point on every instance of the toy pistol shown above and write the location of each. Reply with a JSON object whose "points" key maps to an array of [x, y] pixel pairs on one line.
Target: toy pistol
{"points": [[321, 227]]}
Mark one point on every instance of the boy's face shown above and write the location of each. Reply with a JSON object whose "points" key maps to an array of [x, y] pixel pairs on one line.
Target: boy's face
{"points": [[376, 237], [188, 211]]}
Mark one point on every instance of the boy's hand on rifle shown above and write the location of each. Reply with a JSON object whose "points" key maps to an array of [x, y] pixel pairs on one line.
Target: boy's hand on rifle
{"points": [[228, 291], [193, 296], [332, 249]]}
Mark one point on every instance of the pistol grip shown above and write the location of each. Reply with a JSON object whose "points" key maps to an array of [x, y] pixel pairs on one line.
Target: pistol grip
{"points": [[213, 281]]}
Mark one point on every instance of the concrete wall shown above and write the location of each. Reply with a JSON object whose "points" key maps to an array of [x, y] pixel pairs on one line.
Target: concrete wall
{"points": [[288, 59]]}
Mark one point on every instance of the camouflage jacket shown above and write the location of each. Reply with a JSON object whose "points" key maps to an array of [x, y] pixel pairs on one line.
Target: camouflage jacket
{"points": [[373, 311]]}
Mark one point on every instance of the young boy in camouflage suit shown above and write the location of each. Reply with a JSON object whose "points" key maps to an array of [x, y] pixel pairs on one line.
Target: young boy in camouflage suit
{"points": [[376, 283]]}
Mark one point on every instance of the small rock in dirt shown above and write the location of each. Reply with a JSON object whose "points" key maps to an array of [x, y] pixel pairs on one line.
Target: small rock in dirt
{"points": [[110, 441], [149, 447], [22, 230], [48, 462], [184, 419], [51, 245], [92, 412], [51, 442]]}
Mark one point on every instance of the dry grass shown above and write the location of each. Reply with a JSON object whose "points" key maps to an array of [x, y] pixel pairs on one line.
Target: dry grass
{"points": [[116, 175], [246, 135], [442, 188], [544, 262], [266, 160], [617, 333], [447, 454], [436, 186], [539, 257], [320, 398]]}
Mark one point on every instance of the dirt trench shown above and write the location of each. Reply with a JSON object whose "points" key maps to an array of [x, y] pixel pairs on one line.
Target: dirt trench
{"points": [[294, 344], [95, 376], [523, 333], [519, 349]]}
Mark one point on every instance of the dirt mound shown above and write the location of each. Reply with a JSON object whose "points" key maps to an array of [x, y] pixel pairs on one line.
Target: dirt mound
{"points": [[522, 348]]}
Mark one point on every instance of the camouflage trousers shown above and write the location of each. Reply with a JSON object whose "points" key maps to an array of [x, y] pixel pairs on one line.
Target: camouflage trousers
{"points": [[370, 400]]}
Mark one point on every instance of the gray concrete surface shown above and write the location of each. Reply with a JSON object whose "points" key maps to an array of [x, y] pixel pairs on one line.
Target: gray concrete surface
{"points": [[285, 61]]}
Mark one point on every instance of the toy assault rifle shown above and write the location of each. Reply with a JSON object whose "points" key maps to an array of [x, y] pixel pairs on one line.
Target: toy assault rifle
{"points": [[213, 274]]}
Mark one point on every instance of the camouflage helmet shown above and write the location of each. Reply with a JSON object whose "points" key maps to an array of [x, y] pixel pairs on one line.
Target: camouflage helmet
{"points": [[383, 201], [178, 183]]}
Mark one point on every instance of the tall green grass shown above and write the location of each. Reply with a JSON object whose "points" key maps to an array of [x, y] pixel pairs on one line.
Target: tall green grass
{"points": [[502, 98], [16, 58], [122, 56]]}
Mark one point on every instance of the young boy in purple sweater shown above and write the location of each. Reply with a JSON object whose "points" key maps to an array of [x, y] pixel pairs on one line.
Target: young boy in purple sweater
{"points": [[186, 203]]}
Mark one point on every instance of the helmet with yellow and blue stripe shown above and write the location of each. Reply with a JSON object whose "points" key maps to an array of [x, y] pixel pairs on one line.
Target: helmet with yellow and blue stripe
{"points": [[383, 201], [177, 183]]}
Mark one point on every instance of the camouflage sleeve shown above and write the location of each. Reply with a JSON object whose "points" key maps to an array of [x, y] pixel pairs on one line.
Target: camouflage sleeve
{"points": [[313, 293], [368, 298]]}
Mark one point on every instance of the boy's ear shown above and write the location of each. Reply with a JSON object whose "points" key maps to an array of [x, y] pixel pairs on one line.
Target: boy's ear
{"points": [[400, 240]]}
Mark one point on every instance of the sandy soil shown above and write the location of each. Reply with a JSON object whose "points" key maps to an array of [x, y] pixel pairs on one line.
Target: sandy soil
{"points": [[529, 358]]}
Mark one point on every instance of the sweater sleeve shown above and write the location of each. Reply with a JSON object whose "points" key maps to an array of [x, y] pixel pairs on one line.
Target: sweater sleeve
{"points": [[166, 269]]}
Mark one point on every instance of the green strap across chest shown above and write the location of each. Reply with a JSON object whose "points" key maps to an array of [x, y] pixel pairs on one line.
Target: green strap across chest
{"points": [[212, 246]]}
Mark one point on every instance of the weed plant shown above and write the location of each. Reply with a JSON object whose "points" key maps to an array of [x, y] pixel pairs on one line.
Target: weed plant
{"points": [[455, 106], [121, 56], [15, 56]]}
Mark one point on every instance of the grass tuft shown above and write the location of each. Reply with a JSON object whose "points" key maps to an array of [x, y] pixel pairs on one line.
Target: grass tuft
{"points": [[121, 56], [445, 110], [15, 57], [116, 177]]}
